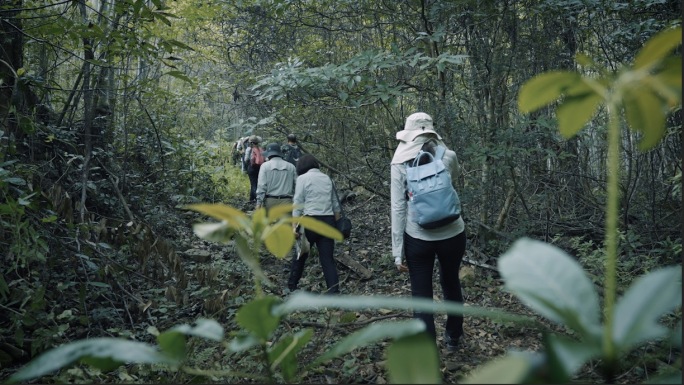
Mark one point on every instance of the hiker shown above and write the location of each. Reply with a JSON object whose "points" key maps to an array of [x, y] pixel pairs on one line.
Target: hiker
{"points": [[276, 181], [236, 153], [418, 245], [315, 198], [254, 157], [291, 151], [244, 144]]}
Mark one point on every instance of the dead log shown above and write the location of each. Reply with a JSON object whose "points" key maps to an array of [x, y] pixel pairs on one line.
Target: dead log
{"points": [[480, 264], [353, 265]]}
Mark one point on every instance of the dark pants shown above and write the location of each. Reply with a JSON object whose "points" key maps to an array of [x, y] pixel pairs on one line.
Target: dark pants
{"points": [[420, 259], [326, 248], [253, 177]]}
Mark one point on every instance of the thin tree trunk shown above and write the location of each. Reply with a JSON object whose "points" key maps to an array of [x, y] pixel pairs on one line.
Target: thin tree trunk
{"points": [[87, 113]]}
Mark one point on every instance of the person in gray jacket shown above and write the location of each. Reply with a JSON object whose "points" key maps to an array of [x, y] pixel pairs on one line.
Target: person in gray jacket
{"points": [[276, 181], [314, 197], [419, 246]]}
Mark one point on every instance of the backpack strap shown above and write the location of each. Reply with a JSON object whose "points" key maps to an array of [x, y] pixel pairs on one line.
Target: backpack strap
{"points": [[439, 152], [420, 155]]}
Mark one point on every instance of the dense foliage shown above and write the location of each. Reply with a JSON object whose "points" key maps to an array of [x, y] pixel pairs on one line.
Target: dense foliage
{"points": [[114, 115]]}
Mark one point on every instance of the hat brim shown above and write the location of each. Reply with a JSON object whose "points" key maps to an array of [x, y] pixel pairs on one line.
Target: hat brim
{"points": [[269, 154], [411, 135]]}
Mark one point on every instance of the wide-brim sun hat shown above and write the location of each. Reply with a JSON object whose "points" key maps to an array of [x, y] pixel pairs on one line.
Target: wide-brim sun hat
{"points": [[273, 149], [417, 124]]}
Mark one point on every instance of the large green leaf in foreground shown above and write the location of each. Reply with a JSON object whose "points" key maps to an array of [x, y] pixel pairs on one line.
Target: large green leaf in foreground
{"points": [[552, 283], [103, 353]]}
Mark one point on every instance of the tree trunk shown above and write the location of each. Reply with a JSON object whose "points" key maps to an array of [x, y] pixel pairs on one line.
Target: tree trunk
{"points": [[88, 55]]}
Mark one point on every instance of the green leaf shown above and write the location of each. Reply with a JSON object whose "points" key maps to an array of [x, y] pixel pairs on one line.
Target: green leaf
{"points": [[16, 181], [97, 350], [250, 258], [647, 299], [179, 75], [278, 212], [552, 283], [204, 328], [284, 353], [317, 226], [584, 60], [584, 87], [668, 82], [575, 112], [544, 89], [173, 343], [413, 359], [180, 44], [234, 217], [259, 220], [243, 342], [371, 334], [214, 232], [279, 239], [100, 284], [568, 356], [671, 74], [511, 369], [50, 219], [658, 47], [163, 16], [644, 112], [256, 317]]}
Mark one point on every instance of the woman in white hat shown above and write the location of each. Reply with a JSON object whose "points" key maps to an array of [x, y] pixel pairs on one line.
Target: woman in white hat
{"points": [[417, 245]]}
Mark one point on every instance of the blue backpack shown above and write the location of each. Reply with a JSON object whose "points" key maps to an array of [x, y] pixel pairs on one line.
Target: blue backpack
{"points": [[432, 199]]}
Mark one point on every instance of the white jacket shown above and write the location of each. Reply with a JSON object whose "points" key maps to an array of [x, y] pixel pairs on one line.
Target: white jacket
{"points": [[399, 206]]}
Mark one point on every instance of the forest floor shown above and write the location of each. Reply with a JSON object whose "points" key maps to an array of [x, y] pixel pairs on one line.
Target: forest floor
{"points": [[220, 283], [370, 246]]}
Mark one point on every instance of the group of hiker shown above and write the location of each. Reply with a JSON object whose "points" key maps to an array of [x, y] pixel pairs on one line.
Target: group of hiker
{"points": [[425, 221], [283, 175]]}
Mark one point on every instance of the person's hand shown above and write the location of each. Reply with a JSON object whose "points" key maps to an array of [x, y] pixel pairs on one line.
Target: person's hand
{"points": [[402, 268]]}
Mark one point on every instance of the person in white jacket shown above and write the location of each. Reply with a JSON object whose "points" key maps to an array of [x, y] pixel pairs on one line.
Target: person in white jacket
{"points": [[418, 246], [315, 197]]}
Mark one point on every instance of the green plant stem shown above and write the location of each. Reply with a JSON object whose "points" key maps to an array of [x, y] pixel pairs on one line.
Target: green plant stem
{"points": [[259, 292], [264, 352], [613, 199]]}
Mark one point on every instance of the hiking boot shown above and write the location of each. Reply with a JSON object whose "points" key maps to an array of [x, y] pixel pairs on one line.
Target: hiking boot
{"points": [[452, 344]]}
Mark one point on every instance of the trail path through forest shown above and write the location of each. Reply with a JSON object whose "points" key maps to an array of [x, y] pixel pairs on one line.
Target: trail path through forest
{"points": [[370, 245], [219, 283]]}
